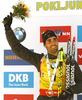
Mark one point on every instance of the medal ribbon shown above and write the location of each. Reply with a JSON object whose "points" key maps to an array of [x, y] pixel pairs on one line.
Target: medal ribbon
{"points": [[54, 71]]}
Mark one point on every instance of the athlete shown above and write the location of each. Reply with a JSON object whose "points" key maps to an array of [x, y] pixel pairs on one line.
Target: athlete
{"points": [[46, 65]]}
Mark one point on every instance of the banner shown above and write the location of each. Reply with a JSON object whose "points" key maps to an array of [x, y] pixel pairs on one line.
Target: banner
{"points": [[18, 78]]}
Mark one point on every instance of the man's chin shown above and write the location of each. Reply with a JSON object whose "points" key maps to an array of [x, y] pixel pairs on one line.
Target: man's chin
{"points": [[54, 51]]}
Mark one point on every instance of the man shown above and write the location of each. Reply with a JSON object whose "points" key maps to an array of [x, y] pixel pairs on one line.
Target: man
{"points": [[45, 65]]}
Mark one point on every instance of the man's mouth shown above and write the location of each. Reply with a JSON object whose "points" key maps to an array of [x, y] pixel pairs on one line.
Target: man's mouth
{"points": [[53, 47]]}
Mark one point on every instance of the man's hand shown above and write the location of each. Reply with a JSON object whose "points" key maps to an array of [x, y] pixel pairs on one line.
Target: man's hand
{"points": [[8, 21], [65, 95]]}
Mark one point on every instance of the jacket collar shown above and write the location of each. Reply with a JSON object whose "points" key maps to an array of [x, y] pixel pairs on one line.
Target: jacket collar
{"points": [[52, 56]]}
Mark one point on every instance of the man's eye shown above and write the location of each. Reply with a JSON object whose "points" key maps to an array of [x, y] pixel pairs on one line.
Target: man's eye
{"points": [[55, 39], [49, 40]]}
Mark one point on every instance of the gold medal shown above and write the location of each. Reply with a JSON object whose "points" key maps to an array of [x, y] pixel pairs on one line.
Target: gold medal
{"points": [[50, 93]]}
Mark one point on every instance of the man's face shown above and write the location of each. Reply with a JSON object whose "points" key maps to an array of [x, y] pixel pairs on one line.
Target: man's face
{"points": [[51, 45]]}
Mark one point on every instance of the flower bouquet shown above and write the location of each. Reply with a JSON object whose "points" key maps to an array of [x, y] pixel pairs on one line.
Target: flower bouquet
{"points": [[20, 11]]}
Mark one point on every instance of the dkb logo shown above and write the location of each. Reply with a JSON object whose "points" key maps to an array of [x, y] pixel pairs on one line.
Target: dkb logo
{"points": [[18, 79]]}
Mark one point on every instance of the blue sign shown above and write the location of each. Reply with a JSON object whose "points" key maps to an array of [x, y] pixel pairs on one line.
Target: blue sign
{"points": [[18, 79], [79, 33], [12, 59], [79, 97]]}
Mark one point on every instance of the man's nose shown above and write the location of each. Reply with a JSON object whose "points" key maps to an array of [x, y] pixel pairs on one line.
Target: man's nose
{"points": [[53, 42]]}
